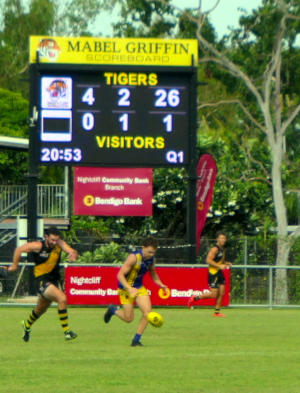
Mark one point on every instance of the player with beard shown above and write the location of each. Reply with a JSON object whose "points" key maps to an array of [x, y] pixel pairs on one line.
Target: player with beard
{"points": [[46, 255]]}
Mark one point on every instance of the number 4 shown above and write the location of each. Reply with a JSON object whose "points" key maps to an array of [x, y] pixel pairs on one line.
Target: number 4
{"points": [[88, 96]]}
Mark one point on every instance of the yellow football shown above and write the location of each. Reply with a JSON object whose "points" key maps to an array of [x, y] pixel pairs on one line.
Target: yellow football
{"points": [[155, 319]]}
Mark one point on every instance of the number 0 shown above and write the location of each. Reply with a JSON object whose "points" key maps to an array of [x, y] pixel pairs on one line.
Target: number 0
{"points": [[88, 121]]}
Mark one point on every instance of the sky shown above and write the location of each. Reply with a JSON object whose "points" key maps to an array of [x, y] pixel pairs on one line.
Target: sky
{"points": [[225, 15]]}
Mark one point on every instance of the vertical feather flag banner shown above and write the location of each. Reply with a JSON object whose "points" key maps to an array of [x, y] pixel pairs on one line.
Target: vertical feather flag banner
{"points": [[206, 175]]}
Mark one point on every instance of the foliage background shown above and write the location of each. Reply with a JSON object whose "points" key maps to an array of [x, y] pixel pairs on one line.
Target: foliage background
{"points": [[243, 201]]}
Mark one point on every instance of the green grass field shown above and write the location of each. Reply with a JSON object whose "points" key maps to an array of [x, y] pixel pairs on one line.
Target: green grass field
{"points": [[250, 351]]}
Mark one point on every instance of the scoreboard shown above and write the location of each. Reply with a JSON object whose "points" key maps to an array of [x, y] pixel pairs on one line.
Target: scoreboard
{"points": [[117, 117], [112, 115]]}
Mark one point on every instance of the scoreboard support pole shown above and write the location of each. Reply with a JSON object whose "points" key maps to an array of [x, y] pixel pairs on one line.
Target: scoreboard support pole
{"points": [[192, 171], [33, 166], [32, 176]]}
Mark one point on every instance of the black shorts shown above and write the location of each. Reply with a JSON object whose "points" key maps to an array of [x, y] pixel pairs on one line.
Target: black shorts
{"points": [[215, 280], [42, 283]]}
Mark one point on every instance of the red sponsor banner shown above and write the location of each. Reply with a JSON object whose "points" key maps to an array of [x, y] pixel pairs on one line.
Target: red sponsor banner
{"points": [[113, 191], [206, 174], [97, 285], [91, 285]]}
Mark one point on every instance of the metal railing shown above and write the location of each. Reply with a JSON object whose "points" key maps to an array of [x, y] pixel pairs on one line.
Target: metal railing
{"points": [[52, 200], [13, 200], [250, 285], [254, 286]]}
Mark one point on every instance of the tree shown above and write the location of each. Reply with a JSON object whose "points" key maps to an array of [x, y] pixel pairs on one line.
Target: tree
{"points": [[74, 17], [38, 17], [254, 63], [19, 20], [138, 18], [13, 122], [17, 25], [263, 105]]}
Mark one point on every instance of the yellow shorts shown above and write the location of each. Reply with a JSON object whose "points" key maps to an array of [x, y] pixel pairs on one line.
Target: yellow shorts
{"points": [[125, 298]]}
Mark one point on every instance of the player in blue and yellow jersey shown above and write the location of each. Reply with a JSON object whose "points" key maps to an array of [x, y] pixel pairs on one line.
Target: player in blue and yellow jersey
{"points": [[216, 280], [46, 255], [132, 290]]}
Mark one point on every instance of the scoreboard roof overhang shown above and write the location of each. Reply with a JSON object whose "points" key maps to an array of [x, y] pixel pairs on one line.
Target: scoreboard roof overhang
{"points": [[14, 143], [121, 51]]}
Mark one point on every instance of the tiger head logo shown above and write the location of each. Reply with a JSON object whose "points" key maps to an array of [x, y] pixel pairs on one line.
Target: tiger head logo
{"points": [[57, 89], [49, 49]]}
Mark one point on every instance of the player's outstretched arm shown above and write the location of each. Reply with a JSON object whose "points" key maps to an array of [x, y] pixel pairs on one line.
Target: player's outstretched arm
{"points": [[72, 253], [155, 277], [25, 248]]}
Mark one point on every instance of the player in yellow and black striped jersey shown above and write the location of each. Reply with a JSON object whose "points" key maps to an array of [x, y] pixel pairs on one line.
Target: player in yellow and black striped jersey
{"points": [[132, 290], [46, 255], [216, 260]]}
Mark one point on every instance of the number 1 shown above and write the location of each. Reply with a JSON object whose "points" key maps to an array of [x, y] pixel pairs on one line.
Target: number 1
{"points": [[124, 121], [168, 121]]}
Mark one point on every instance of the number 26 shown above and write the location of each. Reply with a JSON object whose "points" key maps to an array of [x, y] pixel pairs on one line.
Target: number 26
{"points": [[167, 98]]}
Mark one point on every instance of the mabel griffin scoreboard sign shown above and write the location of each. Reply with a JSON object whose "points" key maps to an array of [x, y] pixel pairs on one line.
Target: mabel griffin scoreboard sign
{"points": [[125, 51], [113, 102]]}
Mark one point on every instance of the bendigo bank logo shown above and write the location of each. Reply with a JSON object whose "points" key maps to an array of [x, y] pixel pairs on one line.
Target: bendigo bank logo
{"points": [[164, 294], [49, 49], [89, 200], [200, 205]]}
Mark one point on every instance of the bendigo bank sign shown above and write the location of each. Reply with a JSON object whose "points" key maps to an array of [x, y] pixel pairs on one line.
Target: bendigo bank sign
{"points": [[112, 191]]}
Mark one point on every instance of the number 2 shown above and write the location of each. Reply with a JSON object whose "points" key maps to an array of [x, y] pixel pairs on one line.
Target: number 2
{"points": [[124, 94]]}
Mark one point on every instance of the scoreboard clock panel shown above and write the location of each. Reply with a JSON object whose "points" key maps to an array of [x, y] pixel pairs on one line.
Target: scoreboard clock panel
{"points": [[114, 117]]}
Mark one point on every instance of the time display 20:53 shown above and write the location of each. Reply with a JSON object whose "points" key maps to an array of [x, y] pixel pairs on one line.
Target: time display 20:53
{"points": [[55, 154]]}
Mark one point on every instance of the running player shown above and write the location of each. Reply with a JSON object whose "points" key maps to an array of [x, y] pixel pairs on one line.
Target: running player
{"points": [[132, 290], [46, 255], [216, 280]]}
